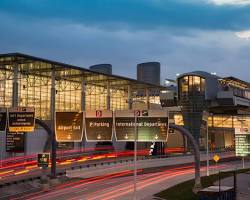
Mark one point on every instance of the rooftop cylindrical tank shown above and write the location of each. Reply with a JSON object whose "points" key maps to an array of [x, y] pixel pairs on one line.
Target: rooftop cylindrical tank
{"points": [[149, 72], [102, 68]]}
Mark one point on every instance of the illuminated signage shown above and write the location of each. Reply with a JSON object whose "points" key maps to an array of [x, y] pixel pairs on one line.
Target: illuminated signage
{"points": [[21, 119], [242, 142], [151, 125], [3, 119], [14, 142], [69, 126], [99, 125], [43, 160]]}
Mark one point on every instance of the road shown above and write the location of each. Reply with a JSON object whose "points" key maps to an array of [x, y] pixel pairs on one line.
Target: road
{"points": [[120, 187], [19, 171], [27, 166]]}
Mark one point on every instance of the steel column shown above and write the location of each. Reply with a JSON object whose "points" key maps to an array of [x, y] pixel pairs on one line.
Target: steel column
{"points": [[53, 138], [129, 97], [15, 86], [108, 96]]}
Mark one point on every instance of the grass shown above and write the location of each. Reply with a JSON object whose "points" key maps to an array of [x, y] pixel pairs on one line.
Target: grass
{"points": [[183, 191]]}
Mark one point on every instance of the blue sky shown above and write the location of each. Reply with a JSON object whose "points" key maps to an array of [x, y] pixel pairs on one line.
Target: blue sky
{"points": [[183, 35]]}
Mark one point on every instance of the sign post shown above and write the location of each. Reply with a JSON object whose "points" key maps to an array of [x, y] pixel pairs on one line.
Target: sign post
{"points": [[135, 154], [216, 158], [141, 126], [205, 118], [43, 162]]}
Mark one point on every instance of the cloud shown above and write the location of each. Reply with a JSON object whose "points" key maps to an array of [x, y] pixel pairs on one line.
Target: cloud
{"points": [[182, 36], [230, 2], [243, 34], [132, 14], [178, 50]]}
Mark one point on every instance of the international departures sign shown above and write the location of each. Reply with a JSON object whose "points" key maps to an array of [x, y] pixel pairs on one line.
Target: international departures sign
{"points": [[152, 125]]}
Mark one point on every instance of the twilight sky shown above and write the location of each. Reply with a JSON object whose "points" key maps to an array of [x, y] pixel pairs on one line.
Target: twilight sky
{"points": [[183, 35]]}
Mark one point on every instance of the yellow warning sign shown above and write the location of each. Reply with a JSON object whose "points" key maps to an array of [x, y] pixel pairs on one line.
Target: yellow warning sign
{"points": [[216, 158]]}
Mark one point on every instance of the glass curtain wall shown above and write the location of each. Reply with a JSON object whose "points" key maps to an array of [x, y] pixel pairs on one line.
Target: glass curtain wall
{"points": [[34, 89], [6, 79]]}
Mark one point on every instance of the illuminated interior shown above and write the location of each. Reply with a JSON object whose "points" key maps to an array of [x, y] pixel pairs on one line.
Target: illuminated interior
{"points": [[191, 85], [34, 86], [220, 121]]}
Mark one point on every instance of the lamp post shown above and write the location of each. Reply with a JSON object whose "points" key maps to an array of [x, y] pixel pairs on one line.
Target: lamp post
{"points": [[205, 118], [207, 149], [135, 146], [135, 156]]}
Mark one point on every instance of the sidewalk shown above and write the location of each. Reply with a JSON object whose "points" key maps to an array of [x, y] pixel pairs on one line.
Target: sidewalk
{"points": [[243, 185]]}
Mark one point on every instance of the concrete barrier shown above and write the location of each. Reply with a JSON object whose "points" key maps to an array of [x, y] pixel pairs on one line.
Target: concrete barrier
{"points": [[101, 170]]}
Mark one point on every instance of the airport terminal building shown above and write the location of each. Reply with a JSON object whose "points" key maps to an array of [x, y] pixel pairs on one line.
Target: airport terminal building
{"points": [[28, 81], [224, 101], [31, 81]]}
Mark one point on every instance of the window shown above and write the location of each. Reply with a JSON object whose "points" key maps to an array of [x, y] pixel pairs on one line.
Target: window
{"points": [[196, 84], [184, 84], [192, 85]]}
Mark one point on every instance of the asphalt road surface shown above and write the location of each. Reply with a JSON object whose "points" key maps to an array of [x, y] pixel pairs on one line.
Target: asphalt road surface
{"points": [[121, 187]]}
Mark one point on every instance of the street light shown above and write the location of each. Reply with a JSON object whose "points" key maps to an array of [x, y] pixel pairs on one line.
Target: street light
{"points": [[135, 146], [205, 118], [135, 156]]}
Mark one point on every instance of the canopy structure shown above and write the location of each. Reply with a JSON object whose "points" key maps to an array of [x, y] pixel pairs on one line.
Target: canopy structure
{"points": [[30, 65], [33, 76]]}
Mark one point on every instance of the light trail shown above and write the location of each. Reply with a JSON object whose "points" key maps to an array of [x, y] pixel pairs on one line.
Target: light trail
{"points": [[22, 172], [125, 188], [76, 184]]}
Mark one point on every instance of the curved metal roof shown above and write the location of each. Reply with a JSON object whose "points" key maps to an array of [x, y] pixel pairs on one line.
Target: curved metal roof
{"points": [[202, 74]]}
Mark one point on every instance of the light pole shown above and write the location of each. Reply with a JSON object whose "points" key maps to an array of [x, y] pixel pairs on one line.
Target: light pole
{"points": [[207, 149], [135, 156], [205, 118], [135, 146]]}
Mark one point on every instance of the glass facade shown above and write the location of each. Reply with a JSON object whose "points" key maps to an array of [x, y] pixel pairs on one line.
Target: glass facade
{"points": [[220, 121], [6, 87], [192, 101], [34, 88], [191, 85]]}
